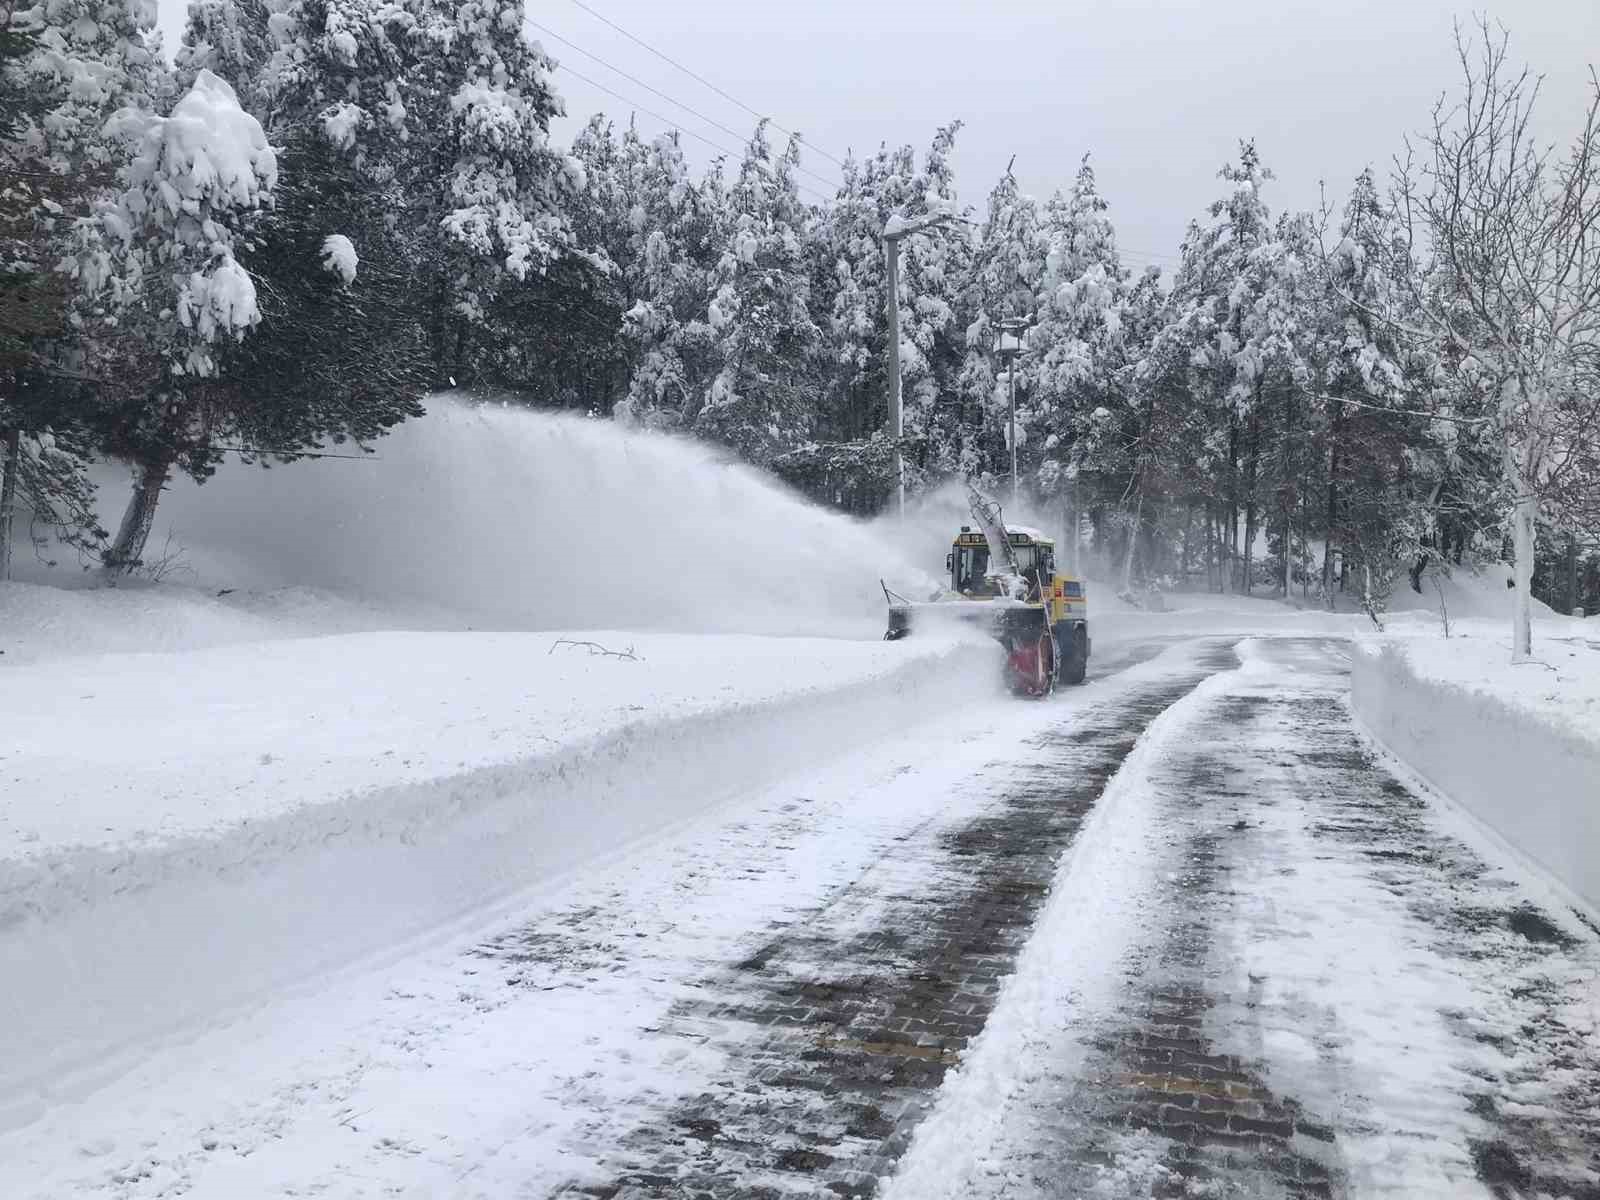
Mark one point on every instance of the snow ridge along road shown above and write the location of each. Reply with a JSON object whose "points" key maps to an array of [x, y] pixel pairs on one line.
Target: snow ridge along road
{"points": [[222, 879]]}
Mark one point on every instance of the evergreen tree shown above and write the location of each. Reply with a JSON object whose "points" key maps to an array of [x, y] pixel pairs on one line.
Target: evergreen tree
{"points": [[1081, 398], [935, 264], [160, 266], [762, 400], [1002, 283], [65, 70], [444, 109], [339, 352], [1211, 308]]}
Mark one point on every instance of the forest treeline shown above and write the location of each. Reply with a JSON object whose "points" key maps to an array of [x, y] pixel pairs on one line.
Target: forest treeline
{"points": [[322, 210]]}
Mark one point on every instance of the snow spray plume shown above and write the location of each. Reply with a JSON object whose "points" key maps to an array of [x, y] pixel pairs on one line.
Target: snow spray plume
{"points": [[526, 520]]}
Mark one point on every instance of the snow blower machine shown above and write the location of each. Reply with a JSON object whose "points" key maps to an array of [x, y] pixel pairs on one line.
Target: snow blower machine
{"points": [[1003, 580]]}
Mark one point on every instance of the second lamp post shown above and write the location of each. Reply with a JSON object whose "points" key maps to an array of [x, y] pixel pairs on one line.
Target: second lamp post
{"points": [[1009, 347]]}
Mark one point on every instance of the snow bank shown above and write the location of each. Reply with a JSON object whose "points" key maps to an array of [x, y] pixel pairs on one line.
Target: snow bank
{"points": [[183, 842], [1517, 747]]}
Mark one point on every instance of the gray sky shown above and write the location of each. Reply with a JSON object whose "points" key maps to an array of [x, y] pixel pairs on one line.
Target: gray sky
{"points": [[1158, 91]]}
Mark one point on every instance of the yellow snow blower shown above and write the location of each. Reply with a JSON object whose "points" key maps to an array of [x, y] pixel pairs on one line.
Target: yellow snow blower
{"points": [[1003, 580]]}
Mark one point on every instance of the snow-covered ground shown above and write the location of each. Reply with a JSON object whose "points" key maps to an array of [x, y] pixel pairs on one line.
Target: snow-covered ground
{"points": [[333, 728], [344, 736], [454, 1072], [186, 831]]}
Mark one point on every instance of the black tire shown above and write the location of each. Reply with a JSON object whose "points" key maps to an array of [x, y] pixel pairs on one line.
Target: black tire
{"points": [[1077, 664]]}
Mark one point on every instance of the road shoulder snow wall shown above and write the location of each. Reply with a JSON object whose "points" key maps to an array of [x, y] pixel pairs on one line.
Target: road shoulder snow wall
{"points": [[116, 950], [1534, 784]]}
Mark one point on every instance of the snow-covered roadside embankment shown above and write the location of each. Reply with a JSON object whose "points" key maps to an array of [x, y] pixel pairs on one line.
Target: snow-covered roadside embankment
{"points": [[185, 834], [1517, 747]]}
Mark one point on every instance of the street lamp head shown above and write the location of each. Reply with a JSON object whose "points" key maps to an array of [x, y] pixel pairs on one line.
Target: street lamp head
{"points": [[899, 226], [1012, 330]]}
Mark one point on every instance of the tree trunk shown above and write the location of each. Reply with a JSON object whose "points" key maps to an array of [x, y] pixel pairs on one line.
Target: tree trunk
{"points": [[1572, 573], [1304, 548], [1523, 517], [8, 496], [1333, 516], [1254, 470], [127, 550], [1231, 534], [1133, 542], [1286, 499], [1183, 548], [1288, 550], [1227, 536], [1249, 544], [1211, 545]]}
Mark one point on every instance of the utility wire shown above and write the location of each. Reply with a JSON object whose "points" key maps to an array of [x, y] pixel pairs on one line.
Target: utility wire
{"points": [[1394, 412], [733, 133], [702, 79], [678, 126], [1149, 254]]}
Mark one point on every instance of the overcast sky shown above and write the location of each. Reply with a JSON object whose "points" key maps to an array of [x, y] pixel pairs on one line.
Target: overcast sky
{"points": [[1158, 91]]}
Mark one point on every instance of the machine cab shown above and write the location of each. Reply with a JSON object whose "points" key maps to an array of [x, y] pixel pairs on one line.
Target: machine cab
{"points": [[969, 567]]}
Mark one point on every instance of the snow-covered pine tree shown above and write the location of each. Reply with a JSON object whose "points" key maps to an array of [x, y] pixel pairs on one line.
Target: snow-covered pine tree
{"points": [[336, 351], [762, 400], [234, 40], [1082, 413], [849, 279], [65, 69], [340, 351], [669, 234], [159, 266], [1208, 306], [1003, 282], [934, 265], [446, 108], [1372, 456]]}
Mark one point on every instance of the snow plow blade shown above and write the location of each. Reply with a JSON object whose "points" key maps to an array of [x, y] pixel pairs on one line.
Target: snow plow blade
{"points": [[1008, 623]]}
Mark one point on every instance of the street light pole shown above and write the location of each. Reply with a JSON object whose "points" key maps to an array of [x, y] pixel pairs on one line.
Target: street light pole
{"points": [[1011, 330], [894, 232], [891, 253], [1011, 378]]}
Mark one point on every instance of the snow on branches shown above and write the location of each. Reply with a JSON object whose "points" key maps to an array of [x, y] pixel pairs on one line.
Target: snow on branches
{"points": [[196, 178]]}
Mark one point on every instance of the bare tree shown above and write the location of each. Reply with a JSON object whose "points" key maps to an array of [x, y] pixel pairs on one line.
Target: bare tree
{"points": [[1514, 291]]}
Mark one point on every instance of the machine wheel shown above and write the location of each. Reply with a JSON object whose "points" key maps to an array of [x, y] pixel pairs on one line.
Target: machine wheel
{"points": [[1077, 664]]}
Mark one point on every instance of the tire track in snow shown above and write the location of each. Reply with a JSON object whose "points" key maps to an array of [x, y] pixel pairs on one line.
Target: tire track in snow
{"points": [[838, 1031]]}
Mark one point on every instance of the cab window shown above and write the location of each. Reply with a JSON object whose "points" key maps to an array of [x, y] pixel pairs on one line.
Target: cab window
{"points": [[972, 563]]}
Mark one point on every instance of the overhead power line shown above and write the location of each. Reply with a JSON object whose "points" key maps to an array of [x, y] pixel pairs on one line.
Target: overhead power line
{"points": [[715, 124], [703, 80], [1149, 254], [678, 126]]}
